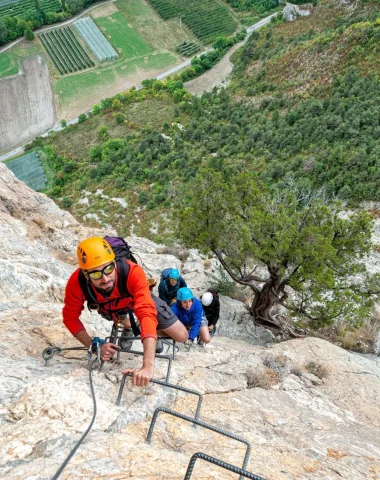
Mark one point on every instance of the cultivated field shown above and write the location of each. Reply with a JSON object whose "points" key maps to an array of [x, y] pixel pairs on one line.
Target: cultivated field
{"points": [[124, 38], [26, 104], [65, 51], [77, 93], [207, 19], [158, 34], [19, 8], [146, 46], [8, 65], [28, 168]]}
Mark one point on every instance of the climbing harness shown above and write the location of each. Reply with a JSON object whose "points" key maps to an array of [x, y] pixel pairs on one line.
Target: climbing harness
{"points": [[115, 336]]}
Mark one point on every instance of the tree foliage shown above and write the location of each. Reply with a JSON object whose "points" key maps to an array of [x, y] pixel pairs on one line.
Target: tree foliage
{"points": [[292, 248], [29, 35]]}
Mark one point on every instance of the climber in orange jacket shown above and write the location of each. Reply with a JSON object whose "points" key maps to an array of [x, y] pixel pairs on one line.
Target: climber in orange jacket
{"points": [[96, 260]]}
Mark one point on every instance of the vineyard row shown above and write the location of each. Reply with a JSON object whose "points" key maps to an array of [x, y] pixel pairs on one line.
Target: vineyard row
{"points": [[66, 52]]}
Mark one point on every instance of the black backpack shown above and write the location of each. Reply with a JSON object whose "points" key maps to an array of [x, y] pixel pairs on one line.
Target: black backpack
{"points": [[122, 251], [214, 292]]}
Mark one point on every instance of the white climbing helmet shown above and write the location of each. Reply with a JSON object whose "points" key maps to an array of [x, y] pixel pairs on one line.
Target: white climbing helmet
{"points": [[207, 299]]}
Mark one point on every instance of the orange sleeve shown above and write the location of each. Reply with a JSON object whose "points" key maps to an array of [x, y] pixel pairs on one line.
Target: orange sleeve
{"points": [[143, 304], [73, 305]]}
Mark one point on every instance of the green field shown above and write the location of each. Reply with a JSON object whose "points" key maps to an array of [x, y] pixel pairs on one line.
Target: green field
{"points": [[122, 37], [157, 34], [26, 49], [8, 64], [207, 19], [136, 11], [70, 87], [10, 60], [135, 54]]}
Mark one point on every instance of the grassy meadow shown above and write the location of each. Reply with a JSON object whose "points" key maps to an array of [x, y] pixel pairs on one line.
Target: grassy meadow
{"points": [[71, 86], [126, 41], [8, 65], [11, 59]]}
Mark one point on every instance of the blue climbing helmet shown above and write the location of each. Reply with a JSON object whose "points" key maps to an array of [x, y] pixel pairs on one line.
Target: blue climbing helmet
{"points": [[184, 294], [174, 273]]}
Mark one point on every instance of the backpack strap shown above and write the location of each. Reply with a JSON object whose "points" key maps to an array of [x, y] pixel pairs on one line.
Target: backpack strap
{"points": [[135, 327], [88, 292], [92, 303], [123, 272]]}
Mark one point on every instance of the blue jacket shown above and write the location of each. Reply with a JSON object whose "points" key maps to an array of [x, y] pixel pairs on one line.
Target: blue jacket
{"points": [[167, 292], [190, 318]]}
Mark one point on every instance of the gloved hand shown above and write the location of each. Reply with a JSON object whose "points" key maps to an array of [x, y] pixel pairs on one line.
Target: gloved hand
{"points": [[188, 342]]}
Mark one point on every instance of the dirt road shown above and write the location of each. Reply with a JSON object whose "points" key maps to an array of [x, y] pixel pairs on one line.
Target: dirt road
{"points": [[218, 75]]}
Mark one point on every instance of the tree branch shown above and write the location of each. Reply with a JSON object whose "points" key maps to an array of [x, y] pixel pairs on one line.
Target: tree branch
{"points": [[234, 277]]}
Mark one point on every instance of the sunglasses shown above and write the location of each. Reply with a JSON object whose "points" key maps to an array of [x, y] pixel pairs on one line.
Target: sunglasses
{"points": [[98, 274]]}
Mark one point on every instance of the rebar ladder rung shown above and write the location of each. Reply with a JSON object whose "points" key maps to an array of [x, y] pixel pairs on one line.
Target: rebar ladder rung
{"points": [[202, 424], [165, 384], [219, 463]]}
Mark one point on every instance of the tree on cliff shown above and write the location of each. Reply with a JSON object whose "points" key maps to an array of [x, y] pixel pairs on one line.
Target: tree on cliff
{"points": [[290, 248]]}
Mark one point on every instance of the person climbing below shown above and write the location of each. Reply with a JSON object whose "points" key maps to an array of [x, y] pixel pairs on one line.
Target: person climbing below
{"points": [[170, 283], [211, 307], [165, 314], [190, 312], [97, 264]]}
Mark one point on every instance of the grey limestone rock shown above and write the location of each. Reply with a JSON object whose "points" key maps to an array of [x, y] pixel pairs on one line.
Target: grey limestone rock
{"points": [[308, 408]]}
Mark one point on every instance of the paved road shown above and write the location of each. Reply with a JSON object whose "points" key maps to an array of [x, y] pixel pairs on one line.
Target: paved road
{"points": [[175, 69]]}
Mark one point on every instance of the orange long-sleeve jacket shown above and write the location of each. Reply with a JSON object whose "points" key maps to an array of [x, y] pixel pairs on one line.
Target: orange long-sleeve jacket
{"points": [[141, 302]]}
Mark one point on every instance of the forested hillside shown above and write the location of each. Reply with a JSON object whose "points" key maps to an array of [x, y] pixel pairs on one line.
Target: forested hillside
{"points": [[303, 107]]}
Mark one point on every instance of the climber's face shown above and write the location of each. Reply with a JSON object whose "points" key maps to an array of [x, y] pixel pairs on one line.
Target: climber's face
{"points": [[186, 304], [103, 277]]}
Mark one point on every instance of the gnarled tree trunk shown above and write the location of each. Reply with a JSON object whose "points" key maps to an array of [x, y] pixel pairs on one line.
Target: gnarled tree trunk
{"points": [[263, 302]]}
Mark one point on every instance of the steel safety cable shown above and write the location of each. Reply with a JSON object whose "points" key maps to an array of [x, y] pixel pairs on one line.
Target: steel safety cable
{"points": [[59, 471]]}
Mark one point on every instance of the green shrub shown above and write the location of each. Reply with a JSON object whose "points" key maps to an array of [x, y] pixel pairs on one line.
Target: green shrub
{"points": [[82, 118], [119, 118], [66, 202]]}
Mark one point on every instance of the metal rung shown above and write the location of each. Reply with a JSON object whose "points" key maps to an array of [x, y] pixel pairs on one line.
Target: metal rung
{"points": [[202, 424], [158, 355], [165, 384], [219, 463], [49, 352]]}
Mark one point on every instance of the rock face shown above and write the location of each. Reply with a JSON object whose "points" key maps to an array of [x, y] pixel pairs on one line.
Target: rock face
{"points": [[291, 12], [309, 409]]}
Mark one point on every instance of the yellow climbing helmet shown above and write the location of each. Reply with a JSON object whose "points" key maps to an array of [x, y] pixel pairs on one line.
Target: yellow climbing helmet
{"points": [[94, 251]]}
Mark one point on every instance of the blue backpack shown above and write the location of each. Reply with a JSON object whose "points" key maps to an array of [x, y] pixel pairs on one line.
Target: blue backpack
{"points": [[165, 273]]}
